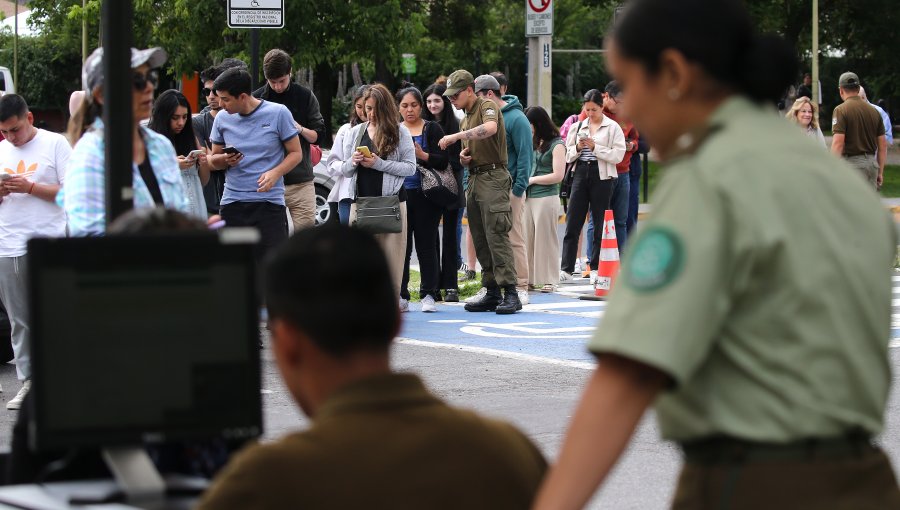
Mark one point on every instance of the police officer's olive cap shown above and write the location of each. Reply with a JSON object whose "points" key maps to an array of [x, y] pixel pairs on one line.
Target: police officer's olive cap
{"points": [[849, 80], [486, 82], [458, 81]]}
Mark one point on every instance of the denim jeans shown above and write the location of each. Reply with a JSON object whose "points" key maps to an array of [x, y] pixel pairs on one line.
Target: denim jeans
{"points": [[619, 205], [344, 211], [634, 201]]}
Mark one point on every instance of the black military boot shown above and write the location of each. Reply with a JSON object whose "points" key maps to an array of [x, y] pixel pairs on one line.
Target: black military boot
{"points": [[510, 303], [488, 303]]}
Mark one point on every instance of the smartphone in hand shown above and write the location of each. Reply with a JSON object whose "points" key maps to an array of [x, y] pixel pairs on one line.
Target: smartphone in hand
{"points": [[231, 150], [364, 151], [196, 154]]}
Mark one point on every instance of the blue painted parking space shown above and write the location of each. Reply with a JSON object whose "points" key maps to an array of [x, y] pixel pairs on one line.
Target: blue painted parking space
{"points": [[551, 326]]}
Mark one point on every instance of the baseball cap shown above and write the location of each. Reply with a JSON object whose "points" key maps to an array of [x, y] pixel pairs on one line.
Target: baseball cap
{"points": [[92, 71], [849, 80], [613, 89], [457, 81], [486, 82]]}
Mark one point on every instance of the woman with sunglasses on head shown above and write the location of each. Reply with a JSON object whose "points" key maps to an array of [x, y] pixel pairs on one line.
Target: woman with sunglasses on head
{"points": [[342, 192], [171, 117], [438, 109], [424, 216], [596, 145], [725, 316], [157, 178], [382, 155]]}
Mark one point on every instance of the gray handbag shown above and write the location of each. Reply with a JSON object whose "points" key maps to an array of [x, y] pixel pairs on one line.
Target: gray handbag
{"points": [[377, 215]]}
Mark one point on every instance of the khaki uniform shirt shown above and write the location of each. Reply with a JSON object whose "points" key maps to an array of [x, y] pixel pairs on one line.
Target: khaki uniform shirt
{"points": [[860, 124], [761, 286], [385, 443], [491, 149]]}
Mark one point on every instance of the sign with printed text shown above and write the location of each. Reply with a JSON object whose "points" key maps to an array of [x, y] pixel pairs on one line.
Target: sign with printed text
{"points": [[538, 18], [256, 13]]}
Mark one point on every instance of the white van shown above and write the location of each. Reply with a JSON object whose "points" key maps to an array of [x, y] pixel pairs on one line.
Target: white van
{"points": [[6, 82]]}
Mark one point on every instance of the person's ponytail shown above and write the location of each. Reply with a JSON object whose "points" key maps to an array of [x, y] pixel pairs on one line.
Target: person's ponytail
{"points": [[767, 68]]}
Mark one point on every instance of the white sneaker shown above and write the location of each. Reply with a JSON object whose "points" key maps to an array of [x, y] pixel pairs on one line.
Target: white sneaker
{"points": [[428, 304], [404, 305], [523, 297], [16, 403], [477, 297], [577, 266], [565, 277], [593, 277]]}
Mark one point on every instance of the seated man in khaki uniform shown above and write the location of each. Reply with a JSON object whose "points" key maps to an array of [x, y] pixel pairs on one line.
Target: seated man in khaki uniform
{"points": [[378, 439]]}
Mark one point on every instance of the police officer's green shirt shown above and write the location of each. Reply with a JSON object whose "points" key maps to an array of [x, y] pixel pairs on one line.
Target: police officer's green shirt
{"points": [[761, 286], [493, 148]]}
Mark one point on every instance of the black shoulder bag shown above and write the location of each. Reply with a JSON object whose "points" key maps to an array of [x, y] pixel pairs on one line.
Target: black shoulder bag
{"points": [[376, 215]]}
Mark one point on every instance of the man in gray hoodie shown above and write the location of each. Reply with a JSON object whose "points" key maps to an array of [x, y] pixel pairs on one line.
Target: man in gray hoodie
{"points": [[520, 151]]}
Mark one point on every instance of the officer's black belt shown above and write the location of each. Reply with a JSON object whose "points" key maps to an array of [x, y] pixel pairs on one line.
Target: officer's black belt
{"points": [[480, 169], [727, 450]]}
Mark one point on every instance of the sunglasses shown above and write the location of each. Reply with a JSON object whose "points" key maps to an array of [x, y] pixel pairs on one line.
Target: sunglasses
{"points": [[454, 97], [141, 80], [207, 92]]}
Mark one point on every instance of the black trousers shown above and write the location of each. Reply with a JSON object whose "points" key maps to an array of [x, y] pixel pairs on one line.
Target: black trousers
{"points": [[589, 192], [422, 220], [270, 219], [449, 249]]}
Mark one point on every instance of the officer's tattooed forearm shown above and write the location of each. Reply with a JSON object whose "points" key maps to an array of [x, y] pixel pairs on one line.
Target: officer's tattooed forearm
{"points": [[476, 133]]}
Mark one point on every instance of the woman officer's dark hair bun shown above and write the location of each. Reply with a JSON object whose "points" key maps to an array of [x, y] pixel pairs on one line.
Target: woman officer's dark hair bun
{"points": [[716, 34]]}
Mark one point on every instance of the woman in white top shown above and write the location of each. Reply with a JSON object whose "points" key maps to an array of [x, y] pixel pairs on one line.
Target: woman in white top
{"points": [[596, 145], [342, 191], [804, 113]]}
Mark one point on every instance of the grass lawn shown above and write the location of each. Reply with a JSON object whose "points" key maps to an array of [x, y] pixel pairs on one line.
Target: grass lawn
{"points": [[890, 188], [466, 289]]}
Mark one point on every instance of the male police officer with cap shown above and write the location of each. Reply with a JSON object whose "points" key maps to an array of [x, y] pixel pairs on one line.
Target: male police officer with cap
{"points": [[859, 132], [484, 152]]}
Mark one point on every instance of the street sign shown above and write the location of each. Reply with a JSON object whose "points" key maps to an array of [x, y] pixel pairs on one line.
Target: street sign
{"points": [[408, 61], [538, 18], [256, 13]]}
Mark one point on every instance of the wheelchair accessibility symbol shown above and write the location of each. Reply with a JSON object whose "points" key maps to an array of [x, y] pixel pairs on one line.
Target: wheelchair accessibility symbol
{"points": [[530, 330]]}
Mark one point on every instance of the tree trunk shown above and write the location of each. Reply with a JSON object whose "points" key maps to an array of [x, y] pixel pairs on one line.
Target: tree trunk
{"points": [[325, 90], [384, 75]]}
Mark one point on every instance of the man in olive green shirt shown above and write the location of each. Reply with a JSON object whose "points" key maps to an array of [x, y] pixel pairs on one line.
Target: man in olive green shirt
{"points": [[487, 197], [378, 440], [859, 134]]}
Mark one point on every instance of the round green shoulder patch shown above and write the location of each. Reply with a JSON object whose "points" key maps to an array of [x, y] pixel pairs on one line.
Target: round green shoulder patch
{"points": [[655, 260]]}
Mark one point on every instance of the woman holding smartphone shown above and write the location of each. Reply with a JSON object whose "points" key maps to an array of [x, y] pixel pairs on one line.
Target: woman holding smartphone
{"points": [[424, 215], [171, 117], [341, 192], [596, 145], [381, 156]]}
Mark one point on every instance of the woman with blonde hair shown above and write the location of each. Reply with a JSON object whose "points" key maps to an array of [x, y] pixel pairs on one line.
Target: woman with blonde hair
{"points": [[380, 172], [804, 113]]}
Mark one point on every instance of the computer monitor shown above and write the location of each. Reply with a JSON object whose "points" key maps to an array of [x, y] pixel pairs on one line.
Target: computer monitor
{"points": [[139, 340]]}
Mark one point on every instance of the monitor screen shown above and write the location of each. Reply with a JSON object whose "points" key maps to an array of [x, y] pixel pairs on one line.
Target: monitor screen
{"points": [[143, 340]]}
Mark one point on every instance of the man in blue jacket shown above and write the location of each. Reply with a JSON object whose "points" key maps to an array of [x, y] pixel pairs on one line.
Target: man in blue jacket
{"points": [[520, 151]]}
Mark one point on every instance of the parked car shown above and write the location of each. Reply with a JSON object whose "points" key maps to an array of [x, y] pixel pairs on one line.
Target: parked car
{"points": [[325, 212], [6, 82]]}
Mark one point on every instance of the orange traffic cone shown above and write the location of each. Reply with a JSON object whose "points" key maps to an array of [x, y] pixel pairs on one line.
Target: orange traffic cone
{"points": [[609, 257]]}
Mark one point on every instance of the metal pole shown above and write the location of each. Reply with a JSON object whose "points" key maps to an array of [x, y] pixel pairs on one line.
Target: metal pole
{"points": [[84, 37], [16, 47], [254, 58], [117, 106], [815, 53]]}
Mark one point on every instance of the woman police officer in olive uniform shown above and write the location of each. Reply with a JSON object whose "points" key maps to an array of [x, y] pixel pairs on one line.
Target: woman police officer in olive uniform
{"points": [[753, 309]]}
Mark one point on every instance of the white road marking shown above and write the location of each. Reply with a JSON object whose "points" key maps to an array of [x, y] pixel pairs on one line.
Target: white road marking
{"points": [[449, 321], [559, 306], [525, 330], [584, 365], [894, 343]]}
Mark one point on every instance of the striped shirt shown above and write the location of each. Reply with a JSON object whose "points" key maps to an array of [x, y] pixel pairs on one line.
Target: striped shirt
{"points": [[83, 196]]}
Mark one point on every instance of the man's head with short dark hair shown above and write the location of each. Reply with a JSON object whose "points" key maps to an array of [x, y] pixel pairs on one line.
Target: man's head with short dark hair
{"points": [[277, 70], [502, 80], [233, 88], [16, 121], [332, 310], [308, 285]]}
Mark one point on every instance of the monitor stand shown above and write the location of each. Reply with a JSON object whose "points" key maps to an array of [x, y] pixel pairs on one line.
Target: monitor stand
{"points": [[135, 473]]}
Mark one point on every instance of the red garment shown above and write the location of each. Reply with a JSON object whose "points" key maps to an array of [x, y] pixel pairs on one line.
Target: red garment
{"points": [[631, 135]]}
